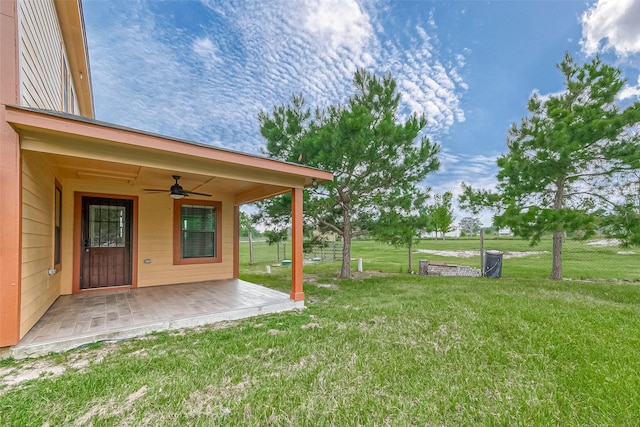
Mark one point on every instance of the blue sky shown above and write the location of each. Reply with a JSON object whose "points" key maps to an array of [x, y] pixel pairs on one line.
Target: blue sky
{"points": [[202, 70]]}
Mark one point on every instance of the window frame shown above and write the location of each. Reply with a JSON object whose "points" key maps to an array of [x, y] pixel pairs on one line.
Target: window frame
{"points": [[177, 232], [57, 226], [66, 83]]}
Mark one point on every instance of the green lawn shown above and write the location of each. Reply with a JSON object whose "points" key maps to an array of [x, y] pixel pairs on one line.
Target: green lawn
{"points": [[580, 259], [392, 349]]}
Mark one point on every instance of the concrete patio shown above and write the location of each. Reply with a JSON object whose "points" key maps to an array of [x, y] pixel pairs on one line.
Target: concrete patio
{"points": [[75, 320]]}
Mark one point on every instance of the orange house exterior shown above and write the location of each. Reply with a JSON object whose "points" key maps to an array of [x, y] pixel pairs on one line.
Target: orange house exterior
{"points": [[75, 212]]}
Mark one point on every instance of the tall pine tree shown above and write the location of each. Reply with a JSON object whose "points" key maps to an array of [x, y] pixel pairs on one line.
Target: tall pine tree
{"points": [[378, 160], [565, 159]]}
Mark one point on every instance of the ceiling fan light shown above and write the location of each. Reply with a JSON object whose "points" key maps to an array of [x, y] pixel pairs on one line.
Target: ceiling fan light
{"points": [[176, 195]]}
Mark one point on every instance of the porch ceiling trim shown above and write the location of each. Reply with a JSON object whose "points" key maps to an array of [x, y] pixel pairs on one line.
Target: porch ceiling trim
{"points": [[262, 192], [64, 134]]}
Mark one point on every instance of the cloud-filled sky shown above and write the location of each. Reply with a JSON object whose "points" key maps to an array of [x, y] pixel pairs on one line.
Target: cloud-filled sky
{"points": [[202, 70]]}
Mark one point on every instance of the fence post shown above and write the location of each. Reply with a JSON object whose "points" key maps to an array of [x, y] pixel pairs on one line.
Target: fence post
{"points": [[250, 249], [481, 252]]}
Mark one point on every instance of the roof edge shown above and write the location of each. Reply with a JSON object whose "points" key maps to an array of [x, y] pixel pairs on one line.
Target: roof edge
{"points": [[71, 19], [233, 156]]}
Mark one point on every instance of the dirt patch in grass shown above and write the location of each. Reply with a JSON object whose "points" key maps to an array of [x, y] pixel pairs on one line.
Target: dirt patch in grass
{"points": [[113, 407], [469, 254], [359, 275], [581, 298], [211, 400], [312, 325], [198, 329], [13, 376], [331, 286], [605, 242]]}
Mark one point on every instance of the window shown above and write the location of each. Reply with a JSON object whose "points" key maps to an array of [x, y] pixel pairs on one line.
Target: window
{"points": [[65, 85], [72, 104], [196, 237], [57, 222], [67, 92], [107, 226]]}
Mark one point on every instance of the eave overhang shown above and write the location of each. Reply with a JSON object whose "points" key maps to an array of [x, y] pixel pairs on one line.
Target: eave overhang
{"points": [[61, 134], [73, 33]]}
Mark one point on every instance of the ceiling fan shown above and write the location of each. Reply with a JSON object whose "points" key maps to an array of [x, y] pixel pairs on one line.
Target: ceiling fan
{"points": [[176, 191]]}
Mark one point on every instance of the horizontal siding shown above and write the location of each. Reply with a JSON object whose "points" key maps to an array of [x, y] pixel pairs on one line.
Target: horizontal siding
{"points": [[36, 215], [40, 55], [39, 290], [156, 242], [155, 237], [36, 229]]}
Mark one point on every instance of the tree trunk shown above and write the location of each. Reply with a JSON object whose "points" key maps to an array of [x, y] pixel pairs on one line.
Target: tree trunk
{"points": [[558, 235], [410, 259], [345, 271], [556, 265]]}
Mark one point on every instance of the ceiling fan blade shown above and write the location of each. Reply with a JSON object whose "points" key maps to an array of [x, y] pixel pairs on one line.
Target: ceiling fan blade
{"points": [[186, 192], [177, 190]]}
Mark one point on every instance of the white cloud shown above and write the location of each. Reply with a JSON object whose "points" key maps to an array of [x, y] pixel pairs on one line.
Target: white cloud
{"points": [[204, 47], [477, 170], [630, 91], [612, 25], [339, 23], [208, 82]]}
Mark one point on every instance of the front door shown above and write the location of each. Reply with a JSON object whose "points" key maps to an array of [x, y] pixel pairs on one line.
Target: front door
{"points": [[106, 246]]}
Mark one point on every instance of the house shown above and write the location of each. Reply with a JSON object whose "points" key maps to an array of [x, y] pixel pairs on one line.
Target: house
{"points": [[454, 232], [76, 214], [505, 232]]}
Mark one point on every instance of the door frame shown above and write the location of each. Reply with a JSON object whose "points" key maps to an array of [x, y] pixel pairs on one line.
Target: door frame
{"points": [[77, 240]]}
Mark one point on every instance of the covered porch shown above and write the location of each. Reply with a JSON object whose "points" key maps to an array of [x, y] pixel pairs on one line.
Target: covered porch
{"points": [[79, 319], [101, 210]]}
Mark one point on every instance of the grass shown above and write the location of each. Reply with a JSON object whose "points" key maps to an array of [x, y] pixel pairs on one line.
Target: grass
{"points": [[580, 260], [390, 350]]}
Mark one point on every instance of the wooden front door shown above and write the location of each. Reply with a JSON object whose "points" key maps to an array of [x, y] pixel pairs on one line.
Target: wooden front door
{"points": [[106, 245]]}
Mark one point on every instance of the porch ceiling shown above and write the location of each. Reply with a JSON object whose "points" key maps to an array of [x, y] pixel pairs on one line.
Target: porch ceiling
{"points": [[143, 177], [81, 148]]}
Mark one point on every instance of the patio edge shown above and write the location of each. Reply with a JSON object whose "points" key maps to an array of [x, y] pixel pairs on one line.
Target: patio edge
{"points": [[23, 351]]}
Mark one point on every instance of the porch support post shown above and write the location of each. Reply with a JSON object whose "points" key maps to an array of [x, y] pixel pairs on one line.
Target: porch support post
{"points": [[10, 181], [236, 242], [297, 259]]}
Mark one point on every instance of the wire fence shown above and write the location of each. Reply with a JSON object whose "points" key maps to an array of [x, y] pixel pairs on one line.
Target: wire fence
{"points": [[260, 252], [597, 258]]}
